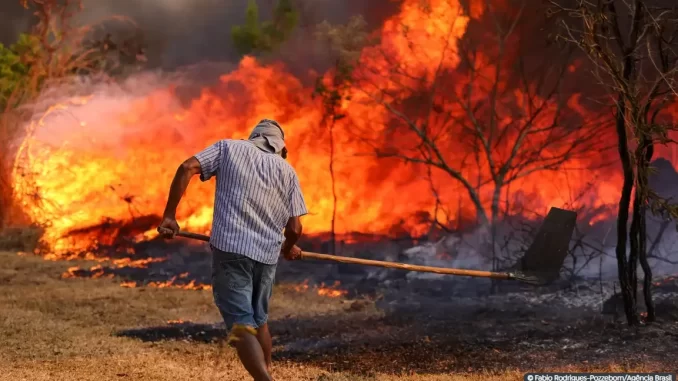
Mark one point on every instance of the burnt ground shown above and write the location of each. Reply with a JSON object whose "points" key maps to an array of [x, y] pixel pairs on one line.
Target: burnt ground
{"points": [[447, 337], [392, 321]]}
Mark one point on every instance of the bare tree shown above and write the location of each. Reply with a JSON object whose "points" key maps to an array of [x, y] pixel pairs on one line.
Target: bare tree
{"points": [[631, 44], [344, 43], [472, 107]]}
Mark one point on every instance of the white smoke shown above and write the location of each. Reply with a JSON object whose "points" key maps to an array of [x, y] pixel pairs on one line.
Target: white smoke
{"points": [[595, 254]]}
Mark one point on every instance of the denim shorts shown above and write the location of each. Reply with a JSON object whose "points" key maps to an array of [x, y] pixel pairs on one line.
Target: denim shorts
{"points": [[242, 288]]}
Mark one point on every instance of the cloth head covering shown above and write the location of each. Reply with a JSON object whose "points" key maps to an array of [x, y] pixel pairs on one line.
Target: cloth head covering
{"points": [[268, 136]]}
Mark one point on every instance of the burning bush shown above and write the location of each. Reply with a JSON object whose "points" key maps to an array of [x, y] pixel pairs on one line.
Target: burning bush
{"points": [[54, 52]]}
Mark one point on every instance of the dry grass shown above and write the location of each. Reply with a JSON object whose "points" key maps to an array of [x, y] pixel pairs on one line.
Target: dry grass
{"points": [[22, 239], [63, 329]]}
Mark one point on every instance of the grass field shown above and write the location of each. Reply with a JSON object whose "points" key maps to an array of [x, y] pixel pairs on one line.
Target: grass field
{"points": [[66, 329]]}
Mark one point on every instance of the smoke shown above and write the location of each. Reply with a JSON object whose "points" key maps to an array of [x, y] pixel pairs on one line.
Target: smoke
{"points": [[80, 107], [592, 248], [184, 32]]}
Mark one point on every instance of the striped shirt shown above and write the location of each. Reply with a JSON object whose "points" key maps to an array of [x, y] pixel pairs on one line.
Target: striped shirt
{"points": [[257, 192]]}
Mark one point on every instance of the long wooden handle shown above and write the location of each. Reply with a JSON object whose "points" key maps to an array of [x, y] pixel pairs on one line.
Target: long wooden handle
{"points": [[199, 237], [369, 262], [405, 266]]}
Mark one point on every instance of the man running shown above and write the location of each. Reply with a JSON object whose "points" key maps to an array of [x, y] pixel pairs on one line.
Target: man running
{"points": [[257, 196]]}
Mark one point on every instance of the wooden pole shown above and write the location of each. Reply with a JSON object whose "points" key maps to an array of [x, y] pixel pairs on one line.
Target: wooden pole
{"points": [[405, 266], [391, 265]]}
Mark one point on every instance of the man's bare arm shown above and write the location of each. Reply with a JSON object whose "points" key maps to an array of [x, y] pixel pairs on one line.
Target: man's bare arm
{"points": [[182, 178], [293, 231]]}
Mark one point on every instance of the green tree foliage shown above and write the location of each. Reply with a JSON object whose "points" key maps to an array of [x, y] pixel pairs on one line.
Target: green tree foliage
{"points": [[254, 36], [14, 69]]}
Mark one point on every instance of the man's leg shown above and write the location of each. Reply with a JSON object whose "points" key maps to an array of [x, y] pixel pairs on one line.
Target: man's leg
{"points": [[250, 353], [232, 285], [264, 277], [264, 338]]}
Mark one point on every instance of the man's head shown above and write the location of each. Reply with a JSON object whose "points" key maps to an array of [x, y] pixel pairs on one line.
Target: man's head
{"points": [[268, 136]]}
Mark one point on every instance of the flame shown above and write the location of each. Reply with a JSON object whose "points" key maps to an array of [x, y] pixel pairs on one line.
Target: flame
{"points": [[105, 159], [139, 263], [302, 287], [101, 271], [192, 285], [96, 271], [332, 291]]}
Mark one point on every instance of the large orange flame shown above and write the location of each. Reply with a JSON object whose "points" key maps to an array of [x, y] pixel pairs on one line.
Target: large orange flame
{"points": [[113, 157]]}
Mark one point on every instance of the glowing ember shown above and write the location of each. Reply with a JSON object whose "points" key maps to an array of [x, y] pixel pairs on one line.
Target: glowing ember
{"points": [[178, 321]]}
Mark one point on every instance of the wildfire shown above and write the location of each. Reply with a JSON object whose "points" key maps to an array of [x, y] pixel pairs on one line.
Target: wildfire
{"points": [[332, 291], [110, 157]]}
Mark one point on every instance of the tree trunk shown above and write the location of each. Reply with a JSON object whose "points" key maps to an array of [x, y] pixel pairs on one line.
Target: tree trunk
{"points": [[634, 237], [481, 214], [474, 195], [6, 196], [334, 190], [642, 234], [496, 199], [644, 154], [623, 215], [623, 212], [627, 290]]}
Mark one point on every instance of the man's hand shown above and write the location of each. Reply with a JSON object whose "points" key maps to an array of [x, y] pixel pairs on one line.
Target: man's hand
{"points": [[168, 227], [292, 254]]}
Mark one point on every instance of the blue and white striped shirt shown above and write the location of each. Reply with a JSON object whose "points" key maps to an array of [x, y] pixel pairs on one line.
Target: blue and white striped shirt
{"points": [[257, 192]]}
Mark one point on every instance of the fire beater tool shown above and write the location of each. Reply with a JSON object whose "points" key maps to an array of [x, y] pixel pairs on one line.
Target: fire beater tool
{"points": [[540, 265]]}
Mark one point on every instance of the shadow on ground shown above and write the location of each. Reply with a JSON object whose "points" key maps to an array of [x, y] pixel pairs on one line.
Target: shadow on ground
{"points": [[447, 339], [205, 333]]}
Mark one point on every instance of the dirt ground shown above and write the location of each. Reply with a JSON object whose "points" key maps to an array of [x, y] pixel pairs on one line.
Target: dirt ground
{"points": [[93, 329]]}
